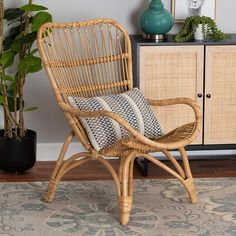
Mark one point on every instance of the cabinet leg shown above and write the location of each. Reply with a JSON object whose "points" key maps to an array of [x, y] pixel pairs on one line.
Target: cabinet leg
{"points": [[142, 166]]}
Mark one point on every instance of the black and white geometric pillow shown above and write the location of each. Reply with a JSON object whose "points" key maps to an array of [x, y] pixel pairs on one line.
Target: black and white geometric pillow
{"points": [[131, 105]]}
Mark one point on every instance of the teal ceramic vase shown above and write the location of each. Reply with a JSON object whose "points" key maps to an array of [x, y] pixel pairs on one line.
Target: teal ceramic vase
{"points": [[156, 20]]}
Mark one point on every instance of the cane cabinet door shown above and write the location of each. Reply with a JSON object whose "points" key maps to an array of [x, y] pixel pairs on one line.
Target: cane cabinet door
{"points": [[220, 95], [170, 72]]}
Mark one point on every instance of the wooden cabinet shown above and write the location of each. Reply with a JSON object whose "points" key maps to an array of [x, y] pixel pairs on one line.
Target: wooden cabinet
{"points": [[205, 72]]}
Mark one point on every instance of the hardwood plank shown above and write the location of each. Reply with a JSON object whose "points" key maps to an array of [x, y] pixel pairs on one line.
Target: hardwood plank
{"points": [[96, 171]]}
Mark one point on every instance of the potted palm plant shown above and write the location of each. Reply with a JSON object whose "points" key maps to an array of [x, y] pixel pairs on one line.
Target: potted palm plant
{"points": [[205, 24], [17, 50]]}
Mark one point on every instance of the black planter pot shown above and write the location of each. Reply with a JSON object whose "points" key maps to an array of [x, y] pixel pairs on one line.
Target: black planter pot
{"points": [[17, 155]]}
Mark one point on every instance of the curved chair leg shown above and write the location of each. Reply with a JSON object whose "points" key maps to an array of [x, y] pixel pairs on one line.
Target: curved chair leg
{"points": [[131, 177], [190, 188], [188, 182], [126, 198], [51, 189], [121, 160], [52, 185]]}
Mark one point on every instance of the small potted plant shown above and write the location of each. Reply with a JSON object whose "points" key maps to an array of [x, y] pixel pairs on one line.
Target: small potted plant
{"points": [[17, 144], [205, 24]]}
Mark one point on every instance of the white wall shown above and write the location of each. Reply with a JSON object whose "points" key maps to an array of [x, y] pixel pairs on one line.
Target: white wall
{"points": [[48, 121], [1, 118]]}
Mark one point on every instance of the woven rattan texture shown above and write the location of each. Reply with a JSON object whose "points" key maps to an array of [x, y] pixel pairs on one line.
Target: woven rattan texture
{"points": [[221, 84], [157, 67], [87, 60]]}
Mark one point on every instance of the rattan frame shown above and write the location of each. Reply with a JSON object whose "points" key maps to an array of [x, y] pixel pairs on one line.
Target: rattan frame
{"points": [[65, 63]]}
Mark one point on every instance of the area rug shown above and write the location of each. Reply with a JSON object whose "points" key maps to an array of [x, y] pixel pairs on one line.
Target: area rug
{"points": [[160, 208]]}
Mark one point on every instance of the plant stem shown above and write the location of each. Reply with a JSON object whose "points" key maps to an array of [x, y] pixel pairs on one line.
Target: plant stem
{"points": [[7, 118], [7, 115], [21, 77], [15, 106]]}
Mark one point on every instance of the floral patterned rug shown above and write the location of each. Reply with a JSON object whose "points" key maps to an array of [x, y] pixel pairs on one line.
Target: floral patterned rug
{"points": [[160, 208]]}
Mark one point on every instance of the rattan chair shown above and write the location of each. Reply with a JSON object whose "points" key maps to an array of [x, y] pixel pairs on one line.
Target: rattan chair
{"points": [[93, 58]]}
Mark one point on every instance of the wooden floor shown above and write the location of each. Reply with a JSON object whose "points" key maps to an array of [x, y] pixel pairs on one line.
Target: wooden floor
{"points": [[95, 171]]}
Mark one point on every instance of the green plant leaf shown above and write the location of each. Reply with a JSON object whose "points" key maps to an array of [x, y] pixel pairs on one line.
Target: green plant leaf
{"points": [[190, 26], [8, 77], [10, 92], [9, 39], [15, 47], [14, 31], [30, 64], [39, 19], [7, 59], [29, 38], [7, 42], [34, 51], [31, 109], [12, 85], [13, 14], [33, 7]]}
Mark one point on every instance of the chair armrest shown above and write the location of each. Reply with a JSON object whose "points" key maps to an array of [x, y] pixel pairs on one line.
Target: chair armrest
{"points": [[174, 101], [186, 101], [102, 113], [140, 137]]}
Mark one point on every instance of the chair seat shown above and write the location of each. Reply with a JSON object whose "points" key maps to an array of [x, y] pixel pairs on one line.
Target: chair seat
{"points": [[178, 134], [124, 146]]}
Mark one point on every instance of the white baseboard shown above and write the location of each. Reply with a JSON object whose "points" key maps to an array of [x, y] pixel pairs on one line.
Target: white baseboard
{"points": [[50, 152]]}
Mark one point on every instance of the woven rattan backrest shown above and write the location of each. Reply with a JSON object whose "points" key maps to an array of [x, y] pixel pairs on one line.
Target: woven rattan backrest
{"points": [[90, 58]]}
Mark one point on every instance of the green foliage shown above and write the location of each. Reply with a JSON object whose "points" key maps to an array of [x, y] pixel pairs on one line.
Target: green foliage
{"points": [[19, 49], [32, 7], [7, 78], [13, 14], [10, 100], [34, 51], [7, 59], [31, 109], [209, 29], [39, 19], [27, 39], [10, 38], [30, 64]]}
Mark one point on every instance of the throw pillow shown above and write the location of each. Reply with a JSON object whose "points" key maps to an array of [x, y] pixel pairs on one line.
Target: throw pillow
{"points": [[131, 105]]}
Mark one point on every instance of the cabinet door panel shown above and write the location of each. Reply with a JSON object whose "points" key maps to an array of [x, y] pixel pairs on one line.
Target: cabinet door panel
{"points": [[220, 108], [170, 72]]}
